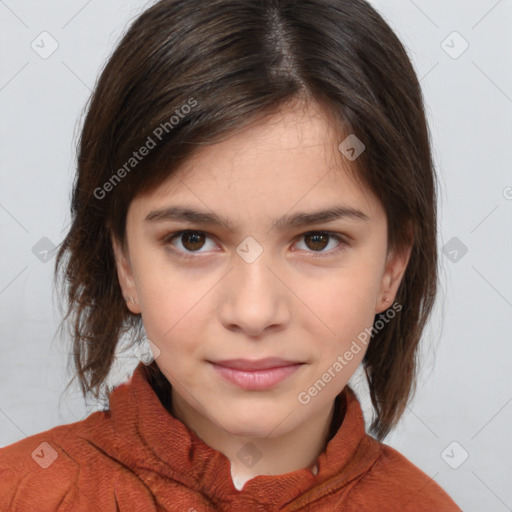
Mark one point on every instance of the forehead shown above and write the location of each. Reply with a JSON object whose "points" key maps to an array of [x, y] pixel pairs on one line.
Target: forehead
{"points": [[287, 158], [298, 136]]}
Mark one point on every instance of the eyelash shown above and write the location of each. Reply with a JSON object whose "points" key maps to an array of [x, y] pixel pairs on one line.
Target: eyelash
{"points": [[315, 254]]}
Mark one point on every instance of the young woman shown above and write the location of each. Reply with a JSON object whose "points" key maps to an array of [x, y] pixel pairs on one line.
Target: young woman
{"points": [[255, 196]]}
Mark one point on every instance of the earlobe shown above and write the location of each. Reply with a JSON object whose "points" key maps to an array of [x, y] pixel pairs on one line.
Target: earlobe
{"points": [[396, 266], [125, 276]]}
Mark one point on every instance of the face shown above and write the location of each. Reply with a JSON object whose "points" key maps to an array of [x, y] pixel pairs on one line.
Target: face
{"points": [[254, 285]]}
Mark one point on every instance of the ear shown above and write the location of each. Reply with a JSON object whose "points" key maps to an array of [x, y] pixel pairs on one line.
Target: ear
{"points": [[396, 264], [125, 276]]}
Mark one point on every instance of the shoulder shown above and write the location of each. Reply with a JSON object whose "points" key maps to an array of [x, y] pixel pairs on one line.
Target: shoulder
{"points": [[42, 470], [397, 480]]}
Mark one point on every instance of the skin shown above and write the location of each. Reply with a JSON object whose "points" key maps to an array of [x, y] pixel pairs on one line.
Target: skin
{"points": [[287, 303]]}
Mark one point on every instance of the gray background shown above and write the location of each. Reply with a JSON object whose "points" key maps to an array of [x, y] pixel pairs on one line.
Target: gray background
{"points": [[463, 407]]}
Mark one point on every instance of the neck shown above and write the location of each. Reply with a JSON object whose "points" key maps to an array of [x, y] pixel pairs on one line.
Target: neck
{"points": [[280, 453]]}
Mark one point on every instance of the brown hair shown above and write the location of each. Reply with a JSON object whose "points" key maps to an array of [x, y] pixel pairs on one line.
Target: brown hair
{"points": [[232, 61]]}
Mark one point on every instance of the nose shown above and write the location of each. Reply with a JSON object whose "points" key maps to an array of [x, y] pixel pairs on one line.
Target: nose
{"points": [[255, 297]]}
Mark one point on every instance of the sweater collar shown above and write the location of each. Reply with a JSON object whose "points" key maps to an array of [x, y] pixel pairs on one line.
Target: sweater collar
{"points": [[164, 444]]}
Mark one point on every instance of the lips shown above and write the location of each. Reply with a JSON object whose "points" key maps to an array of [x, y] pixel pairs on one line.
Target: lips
{"points": [[255, 375], [255, 365]]}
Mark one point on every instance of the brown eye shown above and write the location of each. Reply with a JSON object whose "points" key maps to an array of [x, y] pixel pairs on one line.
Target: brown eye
{"points": [[192, 241], [318, 241]]}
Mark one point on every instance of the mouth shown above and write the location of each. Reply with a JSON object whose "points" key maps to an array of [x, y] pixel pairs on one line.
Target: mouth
{"points": [[256, 375], [249, 365]]}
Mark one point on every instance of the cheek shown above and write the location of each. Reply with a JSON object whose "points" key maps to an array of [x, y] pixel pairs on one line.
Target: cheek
{"points": [[173, 309], [164, 292], [343, 302]]}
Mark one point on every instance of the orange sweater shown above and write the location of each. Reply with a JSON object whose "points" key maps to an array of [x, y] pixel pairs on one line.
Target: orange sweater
{"points": [[137, 457]]}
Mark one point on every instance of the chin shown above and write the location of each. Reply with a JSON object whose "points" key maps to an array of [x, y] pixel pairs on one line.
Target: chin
{"points": [[251, 431], [254, 425]]}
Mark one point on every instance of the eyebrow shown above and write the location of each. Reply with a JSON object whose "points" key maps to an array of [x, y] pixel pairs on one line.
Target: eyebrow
{"points": [[180, 213]]}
